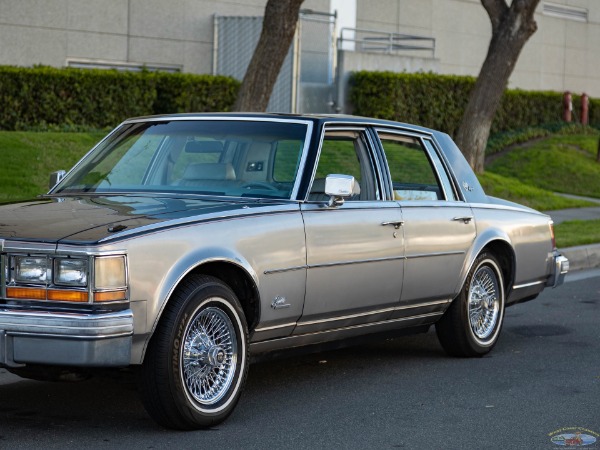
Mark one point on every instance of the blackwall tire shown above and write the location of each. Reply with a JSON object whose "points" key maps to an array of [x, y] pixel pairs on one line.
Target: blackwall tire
{"points": [[197, 360], [471, 325]]}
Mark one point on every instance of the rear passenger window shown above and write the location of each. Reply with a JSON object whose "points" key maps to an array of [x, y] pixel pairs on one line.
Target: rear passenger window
{"points": [[413, 174]]}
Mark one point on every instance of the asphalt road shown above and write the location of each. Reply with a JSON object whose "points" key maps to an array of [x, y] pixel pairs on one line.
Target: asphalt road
{"points": [[543, 376]]}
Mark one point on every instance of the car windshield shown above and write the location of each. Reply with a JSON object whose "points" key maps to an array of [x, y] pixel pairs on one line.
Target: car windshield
{"points": [[238, 158]]}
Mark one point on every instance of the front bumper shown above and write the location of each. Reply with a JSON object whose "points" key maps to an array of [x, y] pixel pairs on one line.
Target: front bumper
{"points": [[65, 338], [560, 267]]}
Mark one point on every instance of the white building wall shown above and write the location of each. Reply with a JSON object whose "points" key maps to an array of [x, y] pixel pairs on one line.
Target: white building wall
{"points": [[562, 55]]}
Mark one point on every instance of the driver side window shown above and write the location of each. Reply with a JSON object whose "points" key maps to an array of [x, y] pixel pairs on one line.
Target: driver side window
{"points": [[345, 152]]}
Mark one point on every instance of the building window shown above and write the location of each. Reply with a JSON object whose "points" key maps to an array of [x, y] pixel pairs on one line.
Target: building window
{"points": [[565, 12], [122, 66]]}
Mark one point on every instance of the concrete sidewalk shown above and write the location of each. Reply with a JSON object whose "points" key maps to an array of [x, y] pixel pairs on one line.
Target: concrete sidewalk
{"points": [[582, 257], [562, 215]]}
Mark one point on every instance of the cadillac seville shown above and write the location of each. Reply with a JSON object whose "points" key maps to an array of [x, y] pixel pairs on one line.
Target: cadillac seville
{"points": [[181, 245]]}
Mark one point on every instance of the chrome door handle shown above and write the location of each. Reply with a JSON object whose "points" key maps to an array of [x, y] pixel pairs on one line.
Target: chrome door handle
{"points": [[397, 224], [465, 219]]}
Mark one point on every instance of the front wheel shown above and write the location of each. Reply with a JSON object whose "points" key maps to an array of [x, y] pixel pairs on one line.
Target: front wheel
{"points": [[197, 360], [472, 323]]}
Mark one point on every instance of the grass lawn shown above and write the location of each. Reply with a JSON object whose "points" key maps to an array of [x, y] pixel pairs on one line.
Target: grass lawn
{"points": [[562, 163], [512, 189], [577, 232], [28, 158]]}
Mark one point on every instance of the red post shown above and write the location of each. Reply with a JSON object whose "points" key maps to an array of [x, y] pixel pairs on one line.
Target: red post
{"points": [[567, 106], [585, 106]]}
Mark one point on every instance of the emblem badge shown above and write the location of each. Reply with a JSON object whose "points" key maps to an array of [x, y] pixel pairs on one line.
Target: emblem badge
{"points": [[279, 303]]}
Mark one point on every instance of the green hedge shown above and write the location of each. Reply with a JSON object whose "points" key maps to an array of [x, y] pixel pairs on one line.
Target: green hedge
{"points": [[438, 101], [42, 96], [194, 93]]}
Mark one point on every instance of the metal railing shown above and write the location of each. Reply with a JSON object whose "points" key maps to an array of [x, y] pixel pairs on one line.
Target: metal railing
{"points": [[383, 42]]}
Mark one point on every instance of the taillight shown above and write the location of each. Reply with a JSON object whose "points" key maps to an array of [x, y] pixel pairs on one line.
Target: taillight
{"points": [[552, 235]]}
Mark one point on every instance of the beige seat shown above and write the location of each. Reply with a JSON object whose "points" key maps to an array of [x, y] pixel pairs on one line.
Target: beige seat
{"points": [[209, 175], [209, 171]]}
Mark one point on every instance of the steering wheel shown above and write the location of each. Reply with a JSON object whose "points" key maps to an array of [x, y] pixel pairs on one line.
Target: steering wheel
{"points": [[259, 185]]}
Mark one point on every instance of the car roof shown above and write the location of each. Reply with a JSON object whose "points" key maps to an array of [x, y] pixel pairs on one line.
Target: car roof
{"points": [[320, 118]]}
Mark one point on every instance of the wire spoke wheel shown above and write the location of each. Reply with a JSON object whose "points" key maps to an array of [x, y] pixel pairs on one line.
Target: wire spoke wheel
{"points": [[472, 323], [197, 361], [483, 303], [209, 355]]}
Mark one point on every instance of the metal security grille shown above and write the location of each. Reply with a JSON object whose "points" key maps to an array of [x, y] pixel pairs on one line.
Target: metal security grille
{"points": [[235, 41], [317, 44], [305, 82]]}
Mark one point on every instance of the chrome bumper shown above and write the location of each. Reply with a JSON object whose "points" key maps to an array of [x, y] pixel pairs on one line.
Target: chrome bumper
{"points": [[560, 267], [65, 339]]}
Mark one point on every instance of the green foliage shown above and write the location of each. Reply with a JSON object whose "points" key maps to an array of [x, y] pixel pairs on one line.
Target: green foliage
{"points": [[577, 232], [501, 141], [558, 163], [338, 156], [512, 189], [177, 93], [434, 101], [50, 98], [28, 158], [438, 101]]}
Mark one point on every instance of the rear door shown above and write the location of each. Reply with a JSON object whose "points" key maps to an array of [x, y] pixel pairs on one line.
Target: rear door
{"points": [[438, 228]]}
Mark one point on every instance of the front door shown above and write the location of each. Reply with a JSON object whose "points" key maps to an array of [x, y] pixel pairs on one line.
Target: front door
{"points": [[354, 251]]}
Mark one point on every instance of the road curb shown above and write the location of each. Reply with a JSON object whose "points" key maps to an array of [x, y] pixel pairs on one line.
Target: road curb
{"points": [[583, 256]]}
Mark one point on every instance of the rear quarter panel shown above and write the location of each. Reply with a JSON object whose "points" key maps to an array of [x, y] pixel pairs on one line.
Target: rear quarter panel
{"points": [[528, 233]]}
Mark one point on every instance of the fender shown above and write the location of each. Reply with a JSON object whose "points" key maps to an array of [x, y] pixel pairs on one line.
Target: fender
{"points": [[186, 265], [482, 240]]}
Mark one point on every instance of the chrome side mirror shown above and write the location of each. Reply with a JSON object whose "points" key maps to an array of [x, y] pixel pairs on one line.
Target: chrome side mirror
{"points": [[339, 187], [55, 178]]}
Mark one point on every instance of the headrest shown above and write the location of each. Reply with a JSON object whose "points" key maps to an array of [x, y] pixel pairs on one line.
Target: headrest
{"points": [[203, 147], [209, 171]]}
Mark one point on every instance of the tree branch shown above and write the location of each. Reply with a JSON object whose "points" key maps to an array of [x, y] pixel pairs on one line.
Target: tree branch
{"points": [[511, 28], [279, 26], [526, 9], [496, 9]]}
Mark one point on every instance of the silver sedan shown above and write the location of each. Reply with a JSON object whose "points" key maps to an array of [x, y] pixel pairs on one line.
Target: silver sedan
{"points": [[183, 244]]}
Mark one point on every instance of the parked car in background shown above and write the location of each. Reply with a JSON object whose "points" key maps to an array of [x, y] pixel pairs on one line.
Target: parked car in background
{"points": [[183, 244]]}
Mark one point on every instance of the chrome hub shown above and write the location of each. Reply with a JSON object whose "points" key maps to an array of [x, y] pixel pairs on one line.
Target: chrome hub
{"points": [[216, 356]]}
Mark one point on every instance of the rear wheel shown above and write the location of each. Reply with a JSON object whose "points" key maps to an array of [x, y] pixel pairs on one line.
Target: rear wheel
{"points": [[196, 364], [472, 323]]}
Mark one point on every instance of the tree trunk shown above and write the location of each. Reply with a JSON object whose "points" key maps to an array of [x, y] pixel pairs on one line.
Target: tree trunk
{"points": [[511, 28], [279, 27]]}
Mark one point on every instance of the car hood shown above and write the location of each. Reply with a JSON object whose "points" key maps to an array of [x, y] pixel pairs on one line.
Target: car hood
{"points": [[91, 219]]}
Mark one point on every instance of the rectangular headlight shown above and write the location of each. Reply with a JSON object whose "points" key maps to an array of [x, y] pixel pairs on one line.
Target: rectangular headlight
{"points": [[30, 269], [109, 272], [71, 272]]}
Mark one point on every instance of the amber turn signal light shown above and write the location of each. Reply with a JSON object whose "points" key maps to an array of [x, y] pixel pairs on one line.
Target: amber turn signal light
{"points": [[60, 295], [26, 293], [109, 296]]}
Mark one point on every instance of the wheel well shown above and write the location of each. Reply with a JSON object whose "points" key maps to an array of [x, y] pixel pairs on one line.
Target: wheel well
{"points": [[506, 257], [240, 282]]}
